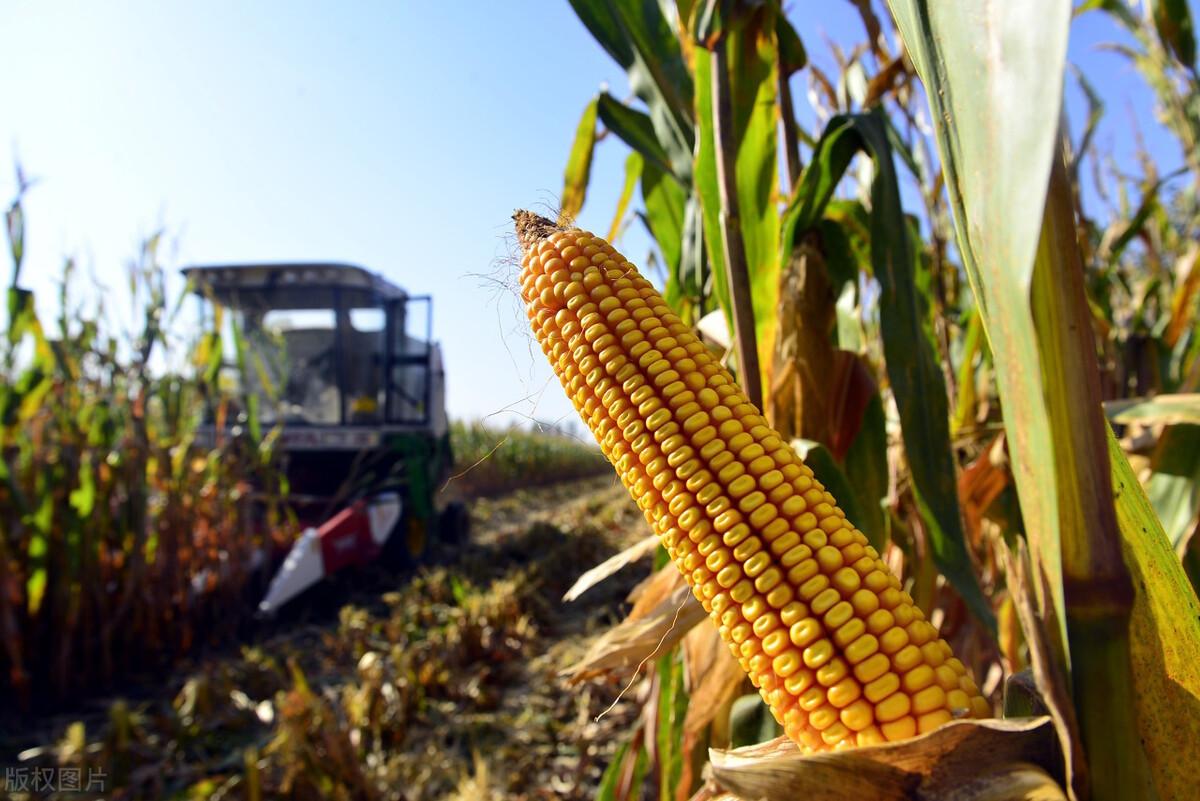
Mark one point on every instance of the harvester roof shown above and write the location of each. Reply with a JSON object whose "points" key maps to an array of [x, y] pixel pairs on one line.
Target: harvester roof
{"points": [[233, 284]]}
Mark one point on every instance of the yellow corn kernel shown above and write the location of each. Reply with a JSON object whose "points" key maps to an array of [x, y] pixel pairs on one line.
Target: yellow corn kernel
{"points": [[957, 700], [861, 648], [858, 715], [893, 640], [838, 615], [848, 632], [844, 692], [786, 663], [805, 632], [774, 643], [793, 613], [836, 735], [764, 624], [932, 653], [871, 735], [818, 653], [811, 699], [879, 621], [918, 678], [931, 698], [901, 729], [872, 668], [893, 707], [907, 658], [825, 600], [823, 717], [930, 721], [832, 672], [847, 581], [799, 682], [947, 679], [882, 687]]}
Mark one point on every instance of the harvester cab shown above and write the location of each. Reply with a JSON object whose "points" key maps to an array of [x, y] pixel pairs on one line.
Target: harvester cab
{"points": [[343, 362]]}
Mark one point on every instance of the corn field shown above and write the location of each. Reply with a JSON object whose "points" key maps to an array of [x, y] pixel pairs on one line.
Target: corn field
{"points": [[126, 544], [907, 402]]}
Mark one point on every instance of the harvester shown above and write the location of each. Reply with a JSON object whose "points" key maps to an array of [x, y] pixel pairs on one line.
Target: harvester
{"points": [[343, 362]]}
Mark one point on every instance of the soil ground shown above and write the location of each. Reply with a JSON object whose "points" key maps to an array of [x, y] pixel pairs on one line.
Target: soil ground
{"points": [[440, 684]]}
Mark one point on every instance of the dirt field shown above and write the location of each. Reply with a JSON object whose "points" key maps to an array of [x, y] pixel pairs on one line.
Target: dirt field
{"points": [[441, 685]]}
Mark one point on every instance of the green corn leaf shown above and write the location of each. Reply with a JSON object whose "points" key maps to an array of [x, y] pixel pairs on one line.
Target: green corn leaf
{"points": [[999, 78], [1173, 21], [1164, 638], [866, 469], [83, 497], [1159, 410], [1174, 484], [753, 75], [579, 164], [912, 361], [672, 711], [639, 38], [633, 171], [636, 130], [665, 199]]}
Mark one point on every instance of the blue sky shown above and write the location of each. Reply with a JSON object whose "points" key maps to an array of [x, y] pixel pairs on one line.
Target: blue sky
{"points": [[400, 136]]}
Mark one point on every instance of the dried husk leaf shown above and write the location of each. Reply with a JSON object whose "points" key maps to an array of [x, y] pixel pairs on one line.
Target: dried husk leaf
{"points": [[642, 635], [611, 565], [1020, 781], [713, 676], [979, 485], [1048, 675], [651, 591], [938, 766]]}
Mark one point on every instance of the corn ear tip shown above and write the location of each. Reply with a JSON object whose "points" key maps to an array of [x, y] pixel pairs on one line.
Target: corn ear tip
{"points": [[531, 227]]}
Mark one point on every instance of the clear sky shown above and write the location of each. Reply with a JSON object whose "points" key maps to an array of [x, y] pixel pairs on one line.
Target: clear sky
{"points": [[399, 135]]}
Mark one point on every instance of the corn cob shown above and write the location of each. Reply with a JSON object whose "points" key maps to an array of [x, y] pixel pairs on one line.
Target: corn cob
{"points": [[836, 648]]}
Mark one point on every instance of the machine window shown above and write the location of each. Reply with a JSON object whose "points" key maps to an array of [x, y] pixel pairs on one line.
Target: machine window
{"points": [[291, 364], [366, 349]]}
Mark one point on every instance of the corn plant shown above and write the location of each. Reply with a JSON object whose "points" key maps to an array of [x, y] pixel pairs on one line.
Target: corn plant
{"points": [[127, 542], [939, 372]]}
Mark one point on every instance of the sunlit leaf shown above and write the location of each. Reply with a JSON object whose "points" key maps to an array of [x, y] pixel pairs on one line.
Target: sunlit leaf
{"points": [[866, 469], [1174, 483], [1164, 638], [633, 171], [579, 164], [672, 712], [750, 52], [636, 130], [1159, 410], [638, 37], [988, 73]]}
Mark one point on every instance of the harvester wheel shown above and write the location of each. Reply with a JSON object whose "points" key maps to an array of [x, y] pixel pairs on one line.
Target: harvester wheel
{"points": [[454, 524]]}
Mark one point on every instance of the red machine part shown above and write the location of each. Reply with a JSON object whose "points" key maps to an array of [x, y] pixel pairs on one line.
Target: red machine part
{"points": [[346, 539], [354, 536]]}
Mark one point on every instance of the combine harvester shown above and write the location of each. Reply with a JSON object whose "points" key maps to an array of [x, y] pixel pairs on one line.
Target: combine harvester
{"points": [[343, 361]]}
